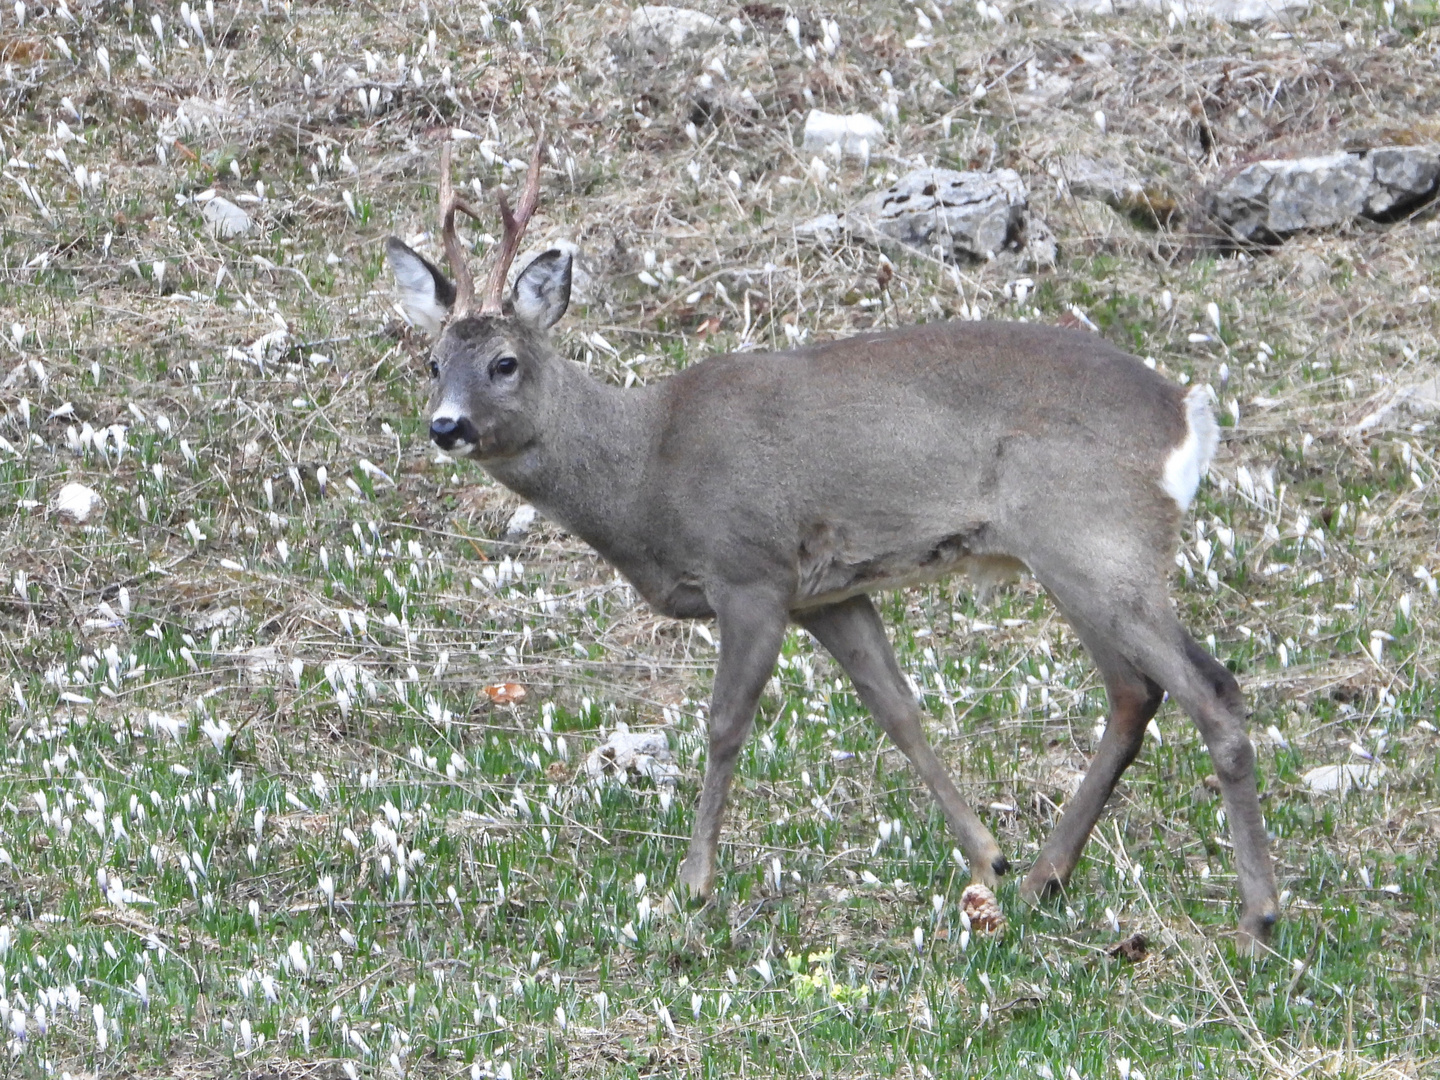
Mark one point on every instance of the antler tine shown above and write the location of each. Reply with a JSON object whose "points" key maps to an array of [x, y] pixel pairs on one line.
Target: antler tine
{"points": [[492, 303], [450, 204]]}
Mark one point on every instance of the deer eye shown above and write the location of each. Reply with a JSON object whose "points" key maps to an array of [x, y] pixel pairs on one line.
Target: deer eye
{"points": [[506, 365], [434, 370]]}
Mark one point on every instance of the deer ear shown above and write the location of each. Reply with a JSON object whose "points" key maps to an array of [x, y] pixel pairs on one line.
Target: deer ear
{"points": [[542, 291], [425, 293]]}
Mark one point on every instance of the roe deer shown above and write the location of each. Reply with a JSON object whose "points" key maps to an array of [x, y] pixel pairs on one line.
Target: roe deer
{"points": [[770, 488]]}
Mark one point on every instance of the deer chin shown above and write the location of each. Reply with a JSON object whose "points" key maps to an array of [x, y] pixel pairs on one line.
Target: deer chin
{"points": [[458, 452], [490, 449], [484, 448]]}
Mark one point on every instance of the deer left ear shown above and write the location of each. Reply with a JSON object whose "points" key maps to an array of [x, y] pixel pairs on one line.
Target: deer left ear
{"points": [[542, 291], [425, 293]]}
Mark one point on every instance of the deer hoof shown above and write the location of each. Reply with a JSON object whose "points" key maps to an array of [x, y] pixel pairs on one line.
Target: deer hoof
{"points": [[1043, 882], [696, 881], [1254, 933]]}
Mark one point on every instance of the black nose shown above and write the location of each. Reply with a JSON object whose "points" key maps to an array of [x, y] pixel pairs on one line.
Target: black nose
{"points": [[446, 432]]}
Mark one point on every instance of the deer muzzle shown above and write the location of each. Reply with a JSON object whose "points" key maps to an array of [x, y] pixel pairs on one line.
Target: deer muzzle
{"points": [[453, 435]]}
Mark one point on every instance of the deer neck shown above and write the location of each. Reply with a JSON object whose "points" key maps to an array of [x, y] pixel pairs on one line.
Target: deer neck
{"points": [[588, 462]]}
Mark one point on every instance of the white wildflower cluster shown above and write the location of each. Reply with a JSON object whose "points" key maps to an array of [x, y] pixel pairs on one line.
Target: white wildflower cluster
{"points": [[102, 672], [27, 1014]]}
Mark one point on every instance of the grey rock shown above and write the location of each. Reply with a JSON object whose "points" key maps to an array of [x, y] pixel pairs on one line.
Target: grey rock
{"points": [[967, 215], [1402, 174], [1310, 270], [1398, 405], [1100, 181], [224, 618], [644, 753], [1040, 250], [1118, 186], [659, 27], [825, 229], [76, 502], [260, 665], [1246, 12], [1270, 200], [520, 522], [224, 219]]}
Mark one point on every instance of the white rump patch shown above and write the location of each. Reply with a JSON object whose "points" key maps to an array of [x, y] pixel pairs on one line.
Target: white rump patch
{"points": [[1188, 462]]}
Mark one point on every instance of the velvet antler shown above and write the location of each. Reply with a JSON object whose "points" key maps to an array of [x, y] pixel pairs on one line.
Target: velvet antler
{"points": [[493, 300], [450, 204]]}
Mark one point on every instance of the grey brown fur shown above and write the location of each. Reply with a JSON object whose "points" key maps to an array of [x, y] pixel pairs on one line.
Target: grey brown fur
{"points": [[766, 489]]}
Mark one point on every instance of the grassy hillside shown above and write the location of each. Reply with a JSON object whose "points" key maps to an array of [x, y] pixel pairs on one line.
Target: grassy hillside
{"points": [[269, 805]]}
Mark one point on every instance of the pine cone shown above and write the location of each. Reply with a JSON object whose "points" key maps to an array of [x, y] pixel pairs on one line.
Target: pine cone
{"points": [[983, 910]]}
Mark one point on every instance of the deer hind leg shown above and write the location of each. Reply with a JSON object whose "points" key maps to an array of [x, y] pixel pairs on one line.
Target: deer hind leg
{"points": [[852, 632], [1133, 701], [1207, 690], [752, 628], [1137, 623]]}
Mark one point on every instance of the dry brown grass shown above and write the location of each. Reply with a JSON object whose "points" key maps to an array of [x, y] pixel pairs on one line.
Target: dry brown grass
{"points": [[1347, 316]]}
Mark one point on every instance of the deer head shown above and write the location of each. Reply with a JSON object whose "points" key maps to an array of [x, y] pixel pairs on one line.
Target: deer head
{"points": [[491, 363]]}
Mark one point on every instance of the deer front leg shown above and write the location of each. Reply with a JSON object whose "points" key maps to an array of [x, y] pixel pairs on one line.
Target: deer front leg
{"points": [[852, 633], [752, 628]]}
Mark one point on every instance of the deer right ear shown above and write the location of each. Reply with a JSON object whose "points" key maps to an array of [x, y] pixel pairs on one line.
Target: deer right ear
{"points": [[542, 291], [425, 293]]}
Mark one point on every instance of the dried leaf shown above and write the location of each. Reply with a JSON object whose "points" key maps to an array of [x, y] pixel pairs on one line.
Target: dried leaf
{"points": [[505, 693], [1134, 948]]}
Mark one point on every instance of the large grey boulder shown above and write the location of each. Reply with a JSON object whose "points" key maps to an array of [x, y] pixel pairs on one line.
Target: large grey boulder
{"points": [[971, 215], [1104, 181], [659, 27], [967, 215], [1269, 200]]}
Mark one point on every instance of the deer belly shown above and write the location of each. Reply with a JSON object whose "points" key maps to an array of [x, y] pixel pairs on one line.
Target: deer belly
{"points": [[830, 570]]}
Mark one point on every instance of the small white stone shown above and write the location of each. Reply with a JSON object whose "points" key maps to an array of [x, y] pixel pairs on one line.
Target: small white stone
{"points": [[76, 503], [1342, 778], [854, 134], [520, 521], [224, 219]]}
